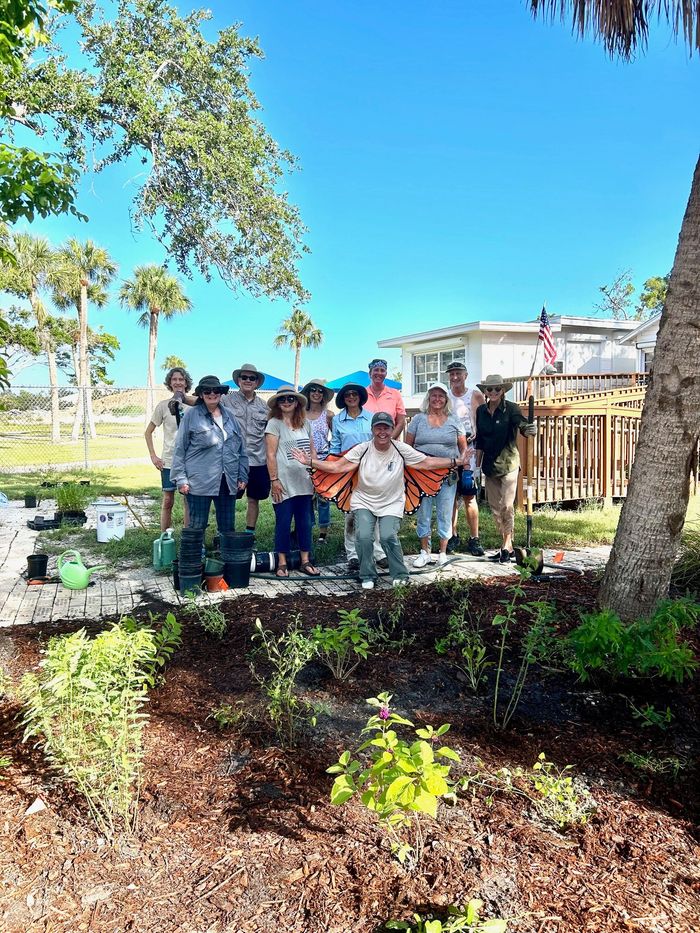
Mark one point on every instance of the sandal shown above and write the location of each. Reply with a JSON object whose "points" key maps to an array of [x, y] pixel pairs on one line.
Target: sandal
{"points": [[309, 569], [282, 571]]}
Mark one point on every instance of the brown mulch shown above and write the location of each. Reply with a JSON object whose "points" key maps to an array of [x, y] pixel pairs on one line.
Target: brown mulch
{"points": [[238, 834]]}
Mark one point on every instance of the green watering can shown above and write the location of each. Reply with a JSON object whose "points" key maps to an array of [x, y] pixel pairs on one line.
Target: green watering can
{"points": [[73, 573]]}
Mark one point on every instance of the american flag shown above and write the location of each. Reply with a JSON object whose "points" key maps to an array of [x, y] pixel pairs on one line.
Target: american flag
{"points": [[545, 335]]}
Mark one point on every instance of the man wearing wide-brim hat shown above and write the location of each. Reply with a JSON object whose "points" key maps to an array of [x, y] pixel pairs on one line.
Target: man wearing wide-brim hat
{"points": [[498, 423], [251, 413]]}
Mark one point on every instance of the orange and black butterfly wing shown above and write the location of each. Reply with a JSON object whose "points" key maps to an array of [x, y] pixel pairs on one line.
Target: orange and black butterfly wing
{"points": [[337, 487], [420, 483]]}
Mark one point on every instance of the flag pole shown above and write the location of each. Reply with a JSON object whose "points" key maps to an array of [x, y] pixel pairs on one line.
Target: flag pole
{"points": [[528, 388]]}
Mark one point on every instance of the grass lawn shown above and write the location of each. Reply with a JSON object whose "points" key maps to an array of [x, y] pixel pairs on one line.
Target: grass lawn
{"points": [[37, 447], [589, 524]]}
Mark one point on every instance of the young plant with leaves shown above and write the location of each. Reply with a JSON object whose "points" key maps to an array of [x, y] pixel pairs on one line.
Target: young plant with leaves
{"points": [[458, 920], [402, 782], [465, 641], [342, 647]]}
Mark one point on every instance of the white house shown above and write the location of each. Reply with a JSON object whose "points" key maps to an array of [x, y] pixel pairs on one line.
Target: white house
{"points": [[643, 339], [584, 345]]}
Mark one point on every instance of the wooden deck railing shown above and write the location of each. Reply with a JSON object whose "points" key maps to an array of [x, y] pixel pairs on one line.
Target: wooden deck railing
{"points": [[564, 384]]}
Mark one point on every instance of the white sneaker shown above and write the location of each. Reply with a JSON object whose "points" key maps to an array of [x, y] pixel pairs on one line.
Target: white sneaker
{"points": [[424, 558], [368, 584], [442, 560], [402, 581]]}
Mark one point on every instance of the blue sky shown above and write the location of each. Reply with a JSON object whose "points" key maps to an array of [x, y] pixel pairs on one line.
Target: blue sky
{"points": [[457, 161]]}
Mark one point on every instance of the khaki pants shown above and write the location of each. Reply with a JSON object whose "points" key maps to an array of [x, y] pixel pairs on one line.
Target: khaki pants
{"points": [[500, 492], [350, 548]]}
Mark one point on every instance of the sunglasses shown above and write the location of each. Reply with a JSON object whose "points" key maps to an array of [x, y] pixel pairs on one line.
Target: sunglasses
{"points": [[352, 394], [212, 391], [315, 389], [493, 388], [245, 378], [287, 399]]}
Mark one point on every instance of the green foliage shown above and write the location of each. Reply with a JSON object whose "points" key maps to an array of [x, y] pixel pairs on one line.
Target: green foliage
{"points": [[341, 648], [208, 615], [228, 715], [652, 764], [539, 645], [686, 571], [166, 640], [643, 648], [34, 183], [86, 708], [402, 781], [560, 801], [73, 497], [285, 655], [5, 762], [649, 715], [465, 640], [458, 920]]}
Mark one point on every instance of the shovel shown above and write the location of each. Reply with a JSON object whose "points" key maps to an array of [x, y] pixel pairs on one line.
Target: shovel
{"points": [[528, 556]]}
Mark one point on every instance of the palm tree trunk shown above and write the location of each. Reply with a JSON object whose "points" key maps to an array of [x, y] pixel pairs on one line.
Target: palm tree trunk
{"points": [[78, 413], [297, 366], [89, 418], [647, 538], [152, 344], [53, 382]]}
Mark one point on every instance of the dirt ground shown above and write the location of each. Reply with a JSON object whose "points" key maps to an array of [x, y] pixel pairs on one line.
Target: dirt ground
{"points": [[238, 834]]}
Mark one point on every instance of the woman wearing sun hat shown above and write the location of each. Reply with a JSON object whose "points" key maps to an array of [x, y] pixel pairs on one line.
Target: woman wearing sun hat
{"points": [[288, 429], [498, 422], [210, 462], [318, 396], [437, 432]]}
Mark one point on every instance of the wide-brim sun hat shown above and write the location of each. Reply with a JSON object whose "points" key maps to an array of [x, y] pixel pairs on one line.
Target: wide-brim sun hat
{"points": [[248, 368], [210, 382], [327, 393], [286, 390], [351, 387], [495, 379]]}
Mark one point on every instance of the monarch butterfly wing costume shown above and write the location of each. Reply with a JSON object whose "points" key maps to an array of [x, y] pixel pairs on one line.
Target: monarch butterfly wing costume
{"points": [[420, 483], [337, 487]]}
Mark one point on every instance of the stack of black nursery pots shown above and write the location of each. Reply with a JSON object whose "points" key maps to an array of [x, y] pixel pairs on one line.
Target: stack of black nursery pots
{"points": [[236, 553], [190, 560]]}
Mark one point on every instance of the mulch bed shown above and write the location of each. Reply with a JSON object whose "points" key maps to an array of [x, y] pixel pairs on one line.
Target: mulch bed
{"points": [[237, 833]]}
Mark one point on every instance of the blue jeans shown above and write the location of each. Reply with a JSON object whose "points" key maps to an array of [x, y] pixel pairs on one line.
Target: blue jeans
{"points": [[298, 508], [324, 511], [444, 503]]}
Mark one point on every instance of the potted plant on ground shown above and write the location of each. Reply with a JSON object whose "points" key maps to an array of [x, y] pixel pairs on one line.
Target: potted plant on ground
{"points": [[32, 498], [71, 499]]}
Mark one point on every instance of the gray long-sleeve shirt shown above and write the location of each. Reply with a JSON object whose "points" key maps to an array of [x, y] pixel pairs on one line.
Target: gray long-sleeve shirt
{"points": [[252, 420], [201, 456]]}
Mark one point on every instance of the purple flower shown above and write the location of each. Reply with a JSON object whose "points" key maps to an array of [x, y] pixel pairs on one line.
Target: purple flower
{"points": [[384, 712]]}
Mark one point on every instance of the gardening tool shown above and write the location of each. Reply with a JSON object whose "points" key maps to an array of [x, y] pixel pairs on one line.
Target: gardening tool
{"points": [[164, 551], [73, 573], [529, 556]]}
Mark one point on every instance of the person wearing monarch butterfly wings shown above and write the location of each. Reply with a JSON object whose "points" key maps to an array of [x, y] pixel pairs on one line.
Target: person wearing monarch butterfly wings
{"points": [[436, 431], [378, 481]]}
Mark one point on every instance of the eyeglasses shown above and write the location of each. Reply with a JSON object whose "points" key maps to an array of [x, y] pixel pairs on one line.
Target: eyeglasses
{"points": [[315, 389], [244, 377], [212, 391], [493, 388], [287, 399]]}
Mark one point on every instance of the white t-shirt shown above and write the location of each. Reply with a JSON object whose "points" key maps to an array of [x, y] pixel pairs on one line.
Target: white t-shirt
{"points": [[161, 416], [462, 409], [380, 485]]}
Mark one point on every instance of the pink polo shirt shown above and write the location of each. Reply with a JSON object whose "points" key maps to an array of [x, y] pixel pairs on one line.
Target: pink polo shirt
{"points": [[389, 401]]}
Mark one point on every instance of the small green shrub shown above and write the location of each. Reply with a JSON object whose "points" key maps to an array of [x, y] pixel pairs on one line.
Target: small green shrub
{"points": [[648, 715], [686, 570], [644, 648], [208, 616], [652, 764], [86, 708], [465, 640], [342, 647], [402, 781], [166, 640], [73, 497], [286, 655], [458, 920], [228, 715]]}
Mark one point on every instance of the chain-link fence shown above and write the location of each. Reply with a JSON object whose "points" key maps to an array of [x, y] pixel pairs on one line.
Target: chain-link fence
{"points": [[74, 426]]}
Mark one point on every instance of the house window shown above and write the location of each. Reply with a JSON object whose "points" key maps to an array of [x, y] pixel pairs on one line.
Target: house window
{"points": [[648, 359], [430, 367]]}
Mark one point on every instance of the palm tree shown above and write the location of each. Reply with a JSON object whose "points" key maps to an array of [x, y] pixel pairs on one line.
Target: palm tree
{"points": [[639, 570], [170, 361], [34, 271], [298, 331], [154, 292], [86, 270]]}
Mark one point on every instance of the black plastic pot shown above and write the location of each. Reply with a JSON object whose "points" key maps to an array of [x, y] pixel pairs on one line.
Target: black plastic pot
{"points": [[30, 501], [71, 517], [237, 574], [37, 565], [176, 574]]}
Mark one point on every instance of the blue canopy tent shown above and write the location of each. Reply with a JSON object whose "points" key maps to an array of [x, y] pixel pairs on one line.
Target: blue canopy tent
{"points": [[361, 377]]}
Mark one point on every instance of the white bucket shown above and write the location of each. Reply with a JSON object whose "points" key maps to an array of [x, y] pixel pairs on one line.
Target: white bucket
{"points": [[111, 521]]}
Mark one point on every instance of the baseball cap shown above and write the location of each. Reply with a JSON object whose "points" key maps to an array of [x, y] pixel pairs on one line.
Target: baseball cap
{"points": [[382, 417]]}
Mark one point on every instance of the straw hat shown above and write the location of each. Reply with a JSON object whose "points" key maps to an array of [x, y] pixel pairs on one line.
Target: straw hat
{"points": [[286, 390], [495, 379], [327, 393]]}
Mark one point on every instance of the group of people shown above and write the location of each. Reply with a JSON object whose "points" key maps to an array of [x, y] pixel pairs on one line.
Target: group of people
{"points": [[220, 445]]}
